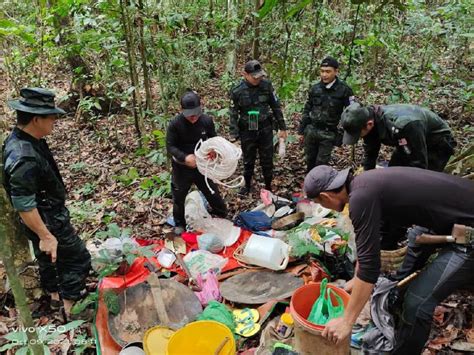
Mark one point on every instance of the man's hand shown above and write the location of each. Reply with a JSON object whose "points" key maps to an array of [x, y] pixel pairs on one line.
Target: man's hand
{"points": [[49, 245], [282, 134], [190, 161], [211, 155], [349, 285], [301, 138], [337, 330]]}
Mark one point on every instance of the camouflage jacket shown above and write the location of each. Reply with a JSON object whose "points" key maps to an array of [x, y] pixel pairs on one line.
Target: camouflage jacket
{"points": [[411, 128], [324, 106], [30, 175], [261, 98]]}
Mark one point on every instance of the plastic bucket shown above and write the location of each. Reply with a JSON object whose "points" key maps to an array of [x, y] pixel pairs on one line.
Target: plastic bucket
{"points": [[308, 335], [202, 338], [156, 340]]}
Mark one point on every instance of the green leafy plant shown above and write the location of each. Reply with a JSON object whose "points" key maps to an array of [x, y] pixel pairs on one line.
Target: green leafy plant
{"points": [[86, 190], [114, 231], [84, 211], [129, 178], [156, 186]]}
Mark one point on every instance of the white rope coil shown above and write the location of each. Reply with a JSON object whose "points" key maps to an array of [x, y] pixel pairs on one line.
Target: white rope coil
{"points": [[222, 166]]}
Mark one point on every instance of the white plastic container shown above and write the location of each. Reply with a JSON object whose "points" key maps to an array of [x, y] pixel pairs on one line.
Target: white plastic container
{"points": [[271, 253]]}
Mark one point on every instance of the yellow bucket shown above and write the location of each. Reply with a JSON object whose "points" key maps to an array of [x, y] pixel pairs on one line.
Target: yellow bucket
{"points": [[156, 340], [203, 337]]}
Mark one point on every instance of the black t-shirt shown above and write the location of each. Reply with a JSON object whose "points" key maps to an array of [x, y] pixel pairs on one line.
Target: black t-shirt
{"points": [[405, 196], [182, 135]]}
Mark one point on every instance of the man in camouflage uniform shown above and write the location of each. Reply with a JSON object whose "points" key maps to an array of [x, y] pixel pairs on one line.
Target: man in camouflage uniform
{"points": [[321, 114], [34, 185], [251, 121], [422, 138]]}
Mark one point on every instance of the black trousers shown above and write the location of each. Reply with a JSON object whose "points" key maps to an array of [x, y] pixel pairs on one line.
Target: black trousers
{"points": [[450, 270], [260, 141], [440, 148], [68, 275], [182, 180]]}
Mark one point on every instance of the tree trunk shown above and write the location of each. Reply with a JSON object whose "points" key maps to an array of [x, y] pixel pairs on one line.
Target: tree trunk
{"points": [[7, 236], [256, 26], [285, 54], [146, 76], [232, 13], [315, 44], [136, 99]]}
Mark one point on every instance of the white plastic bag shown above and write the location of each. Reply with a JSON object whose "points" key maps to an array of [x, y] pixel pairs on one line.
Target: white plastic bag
{"points": [[210, 242], [195, 211], [223, 229], [201, 261]]}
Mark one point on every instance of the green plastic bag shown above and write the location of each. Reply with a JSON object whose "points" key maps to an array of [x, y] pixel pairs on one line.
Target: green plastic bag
{"points": [[220, 313], [335, 311], [319, 312], [323, 309]]}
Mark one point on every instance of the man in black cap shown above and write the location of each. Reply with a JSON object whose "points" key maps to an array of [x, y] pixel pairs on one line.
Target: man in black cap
{"points": [[184, 132], [34, 185], [251, 121], [321, 114], [409, 196], [422, 138]]}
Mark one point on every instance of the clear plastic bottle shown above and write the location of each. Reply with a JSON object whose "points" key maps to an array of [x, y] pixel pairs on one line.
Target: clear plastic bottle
{"points": [[281, 148]]}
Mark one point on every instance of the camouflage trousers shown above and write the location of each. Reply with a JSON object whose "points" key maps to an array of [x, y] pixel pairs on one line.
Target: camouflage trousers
{"points": [[318, 146], [260, 141], [68, 274]]}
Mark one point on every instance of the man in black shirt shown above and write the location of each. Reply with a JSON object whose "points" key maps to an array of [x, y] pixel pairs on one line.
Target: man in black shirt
{"points": [[252, 123], [422, 138], [184, 132], [408, 196], [322, 113]]}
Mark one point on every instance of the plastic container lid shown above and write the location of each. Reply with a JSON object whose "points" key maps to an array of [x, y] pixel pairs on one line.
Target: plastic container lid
{"points": [[287, 319], [156, 340]]}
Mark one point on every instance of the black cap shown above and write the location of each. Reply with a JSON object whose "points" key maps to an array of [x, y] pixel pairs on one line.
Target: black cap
{"points": [[324, 178], [191, 104], [36, 100], [330, 62], [353, 119], [254, 68]]}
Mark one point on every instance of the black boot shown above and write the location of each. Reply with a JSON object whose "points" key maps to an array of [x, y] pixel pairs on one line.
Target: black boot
{"points": [[268, 183], [244, 191]]}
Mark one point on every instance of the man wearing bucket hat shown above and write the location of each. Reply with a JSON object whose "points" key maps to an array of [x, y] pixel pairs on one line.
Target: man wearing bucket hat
{"points": [[405, 195], [321, 114], [183, 133], [252, 122], [34, 185], [422, 138]]}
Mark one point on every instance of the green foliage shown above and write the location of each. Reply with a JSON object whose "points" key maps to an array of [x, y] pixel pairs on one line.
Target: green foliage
{"points": [[156, 186], [84, 211], [81, 305], [114, 231], [86, 190], [129, 178], [111, 300], [77, 167]]}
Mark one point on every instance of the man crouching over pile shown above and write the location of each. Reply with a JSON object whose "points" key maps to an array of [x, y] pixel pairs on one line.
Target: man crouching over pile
{"points": [[407, 196]]}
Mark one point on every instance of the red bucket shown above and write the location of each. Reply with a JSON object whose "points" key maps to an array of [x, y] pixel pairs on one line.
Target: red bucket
{"points": [[303, 299]]}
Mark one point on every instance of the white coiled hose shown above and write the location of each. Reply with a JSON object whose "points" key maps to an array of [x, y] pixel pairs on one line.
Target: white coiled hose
{"points": [[223, 165]]}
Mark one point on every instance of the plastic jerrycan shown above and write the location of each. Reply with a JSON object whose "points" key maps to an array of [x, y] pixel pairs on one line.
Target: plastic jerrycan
{"points": [[268, 252]]}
